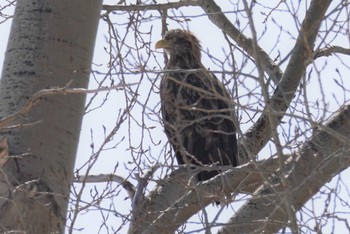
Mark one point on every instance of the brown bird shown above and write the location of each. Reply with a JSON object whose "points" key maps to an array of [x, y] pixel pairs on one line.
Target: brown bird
{"points": [[196, 108]]}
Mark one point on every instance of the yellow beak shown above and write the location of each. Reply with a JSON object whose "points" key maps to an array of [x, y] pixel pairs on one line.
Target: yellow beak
{"points": [[162, 44]]}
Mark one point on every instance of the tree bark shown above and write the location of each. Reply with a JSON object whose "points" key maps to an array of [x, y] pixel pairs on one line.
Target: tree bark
{"points": [[175, 199], [50, 45], [260, 133], [325, 155]]}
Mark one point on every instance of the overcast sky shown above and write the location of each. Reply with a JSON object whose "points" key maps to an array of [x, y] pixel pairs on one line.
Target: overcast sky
{"points": [[212, 39]]}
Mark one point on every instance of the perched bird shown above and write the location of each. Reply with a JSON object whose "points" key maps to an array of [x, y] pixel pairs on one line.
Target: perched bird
{"points": [[196, 108]]}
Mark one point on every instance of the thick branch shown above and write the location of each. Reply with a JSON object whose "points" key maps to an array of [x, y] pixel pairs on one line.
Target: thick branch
{"points": [[178, 197], [325, 155], [219, 19], [172, 203], [260, 133], [103, 178]]}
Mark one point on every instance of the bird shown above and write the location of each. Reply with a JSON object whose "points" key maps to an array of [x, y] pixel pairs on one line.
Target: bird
{"points": [[197, 110]]}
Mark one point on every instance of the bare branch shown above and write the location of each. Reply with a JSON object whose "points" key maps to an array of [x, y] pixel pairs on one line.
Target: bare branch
{"points": [[254, 140], [139, 198], [272, 119], [142, 184], [324, 156], [35, 99], [93, 160], [157, 7], [102, 178], [177, 198], [260, 133], [219, 19], [328, 51]]}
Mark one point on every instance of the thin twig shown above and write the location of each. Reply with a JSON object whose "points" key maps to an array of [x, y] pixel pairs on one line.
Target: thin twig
{"points": [[159, 7], [328, 51], [35, 99], [217, 17]]}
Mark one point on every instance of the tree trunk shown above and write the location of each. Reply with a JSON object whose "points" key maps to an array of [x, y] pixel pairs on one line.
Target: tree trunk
{"points": [[51, 44]]}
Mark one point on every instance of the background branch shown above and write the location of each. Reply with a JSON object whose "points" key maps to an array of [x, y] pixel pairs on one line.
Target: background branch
{"points": [[328, 51], [324, 156], [260, 133], [256, 137], [35, 99], [176, 198], [158, 7], [218, 18], [103, 178]]}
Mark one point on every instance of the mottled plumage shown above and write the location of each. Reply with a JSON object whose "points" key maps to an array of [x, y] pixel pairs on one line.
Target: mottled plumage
{"points": [[196, 108]]}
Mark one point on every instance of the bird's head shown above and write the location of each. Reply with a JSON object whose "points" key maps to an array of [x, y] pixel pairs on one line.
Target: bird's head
{"points": [[182, 47]]}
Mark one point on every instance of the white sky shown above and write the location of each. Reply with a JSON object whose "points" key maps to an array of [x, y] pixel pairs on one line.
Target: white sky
{"points": [[212, 39]]}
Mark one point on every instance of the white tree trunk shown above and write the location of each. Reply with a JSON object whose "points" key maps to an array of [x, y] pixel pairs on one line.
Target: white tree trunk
{"points": [[51, 44]]}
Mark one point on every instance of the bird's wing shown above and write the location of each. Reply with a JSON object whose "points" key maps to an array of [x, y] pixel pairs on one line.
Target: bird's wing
{"points": [[197, 112]]}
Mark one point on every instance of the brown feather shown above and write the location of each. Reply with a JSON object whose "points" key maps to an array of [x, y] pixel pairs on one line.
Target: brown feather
{"points": [[196, 108]]}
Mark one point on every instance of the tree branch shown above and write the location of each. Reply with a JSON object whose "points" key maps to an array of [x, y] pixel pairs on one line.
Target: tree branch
{"points": [[158, 7], [221, 21], [325, 155], [328, 51], [138, 199], [101, 178], [172, 203], [35, 99], [178, 197], [260, 133], [175, 199]]}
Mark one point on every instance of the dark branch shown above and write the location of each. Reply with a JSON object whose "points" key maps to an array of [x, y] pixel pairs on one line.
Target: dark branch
{"points": [[324, 156], [221, 21], [178, 197], [260, 133], [328, 51], [102, 178]]}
